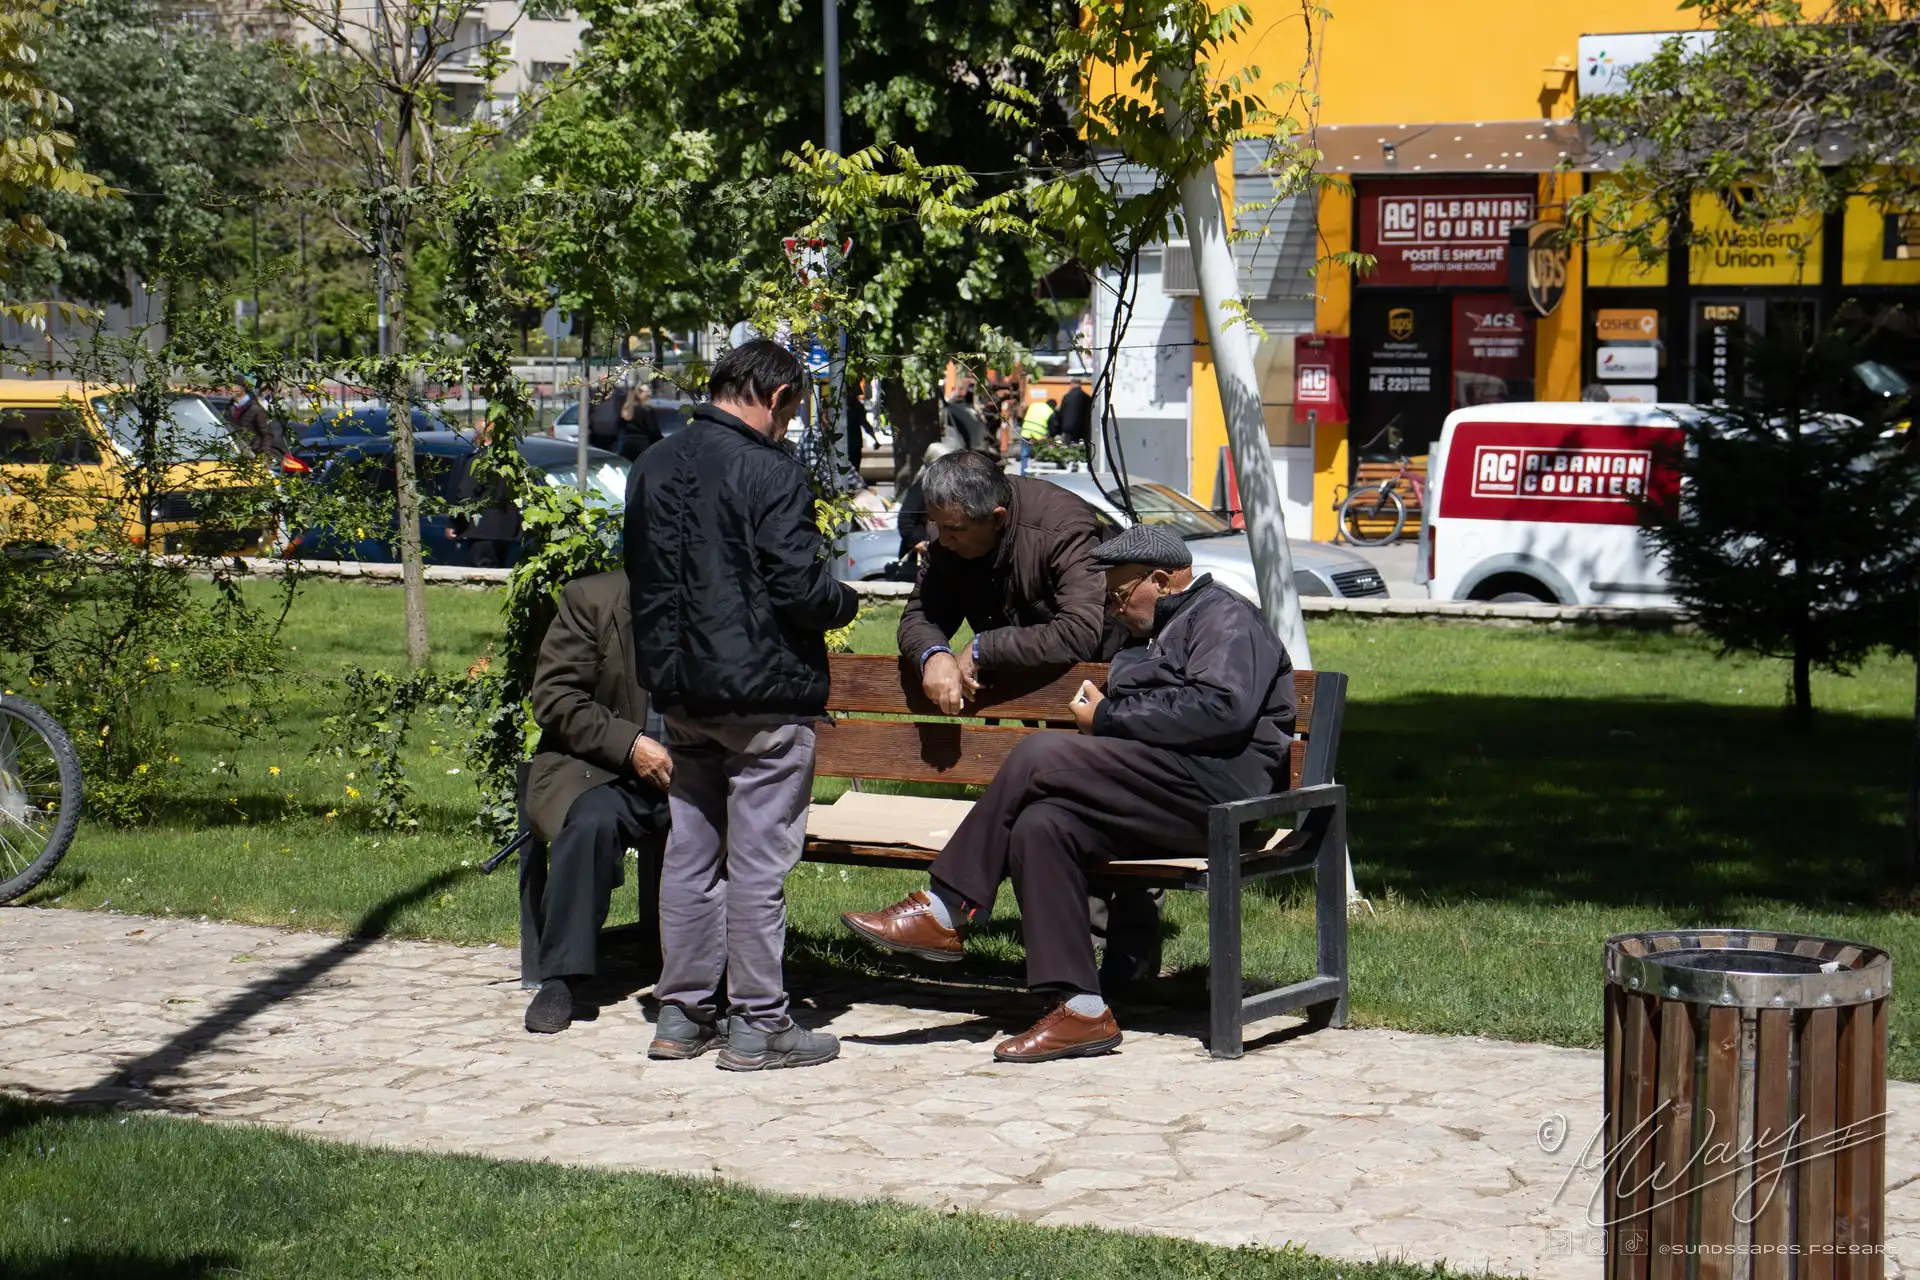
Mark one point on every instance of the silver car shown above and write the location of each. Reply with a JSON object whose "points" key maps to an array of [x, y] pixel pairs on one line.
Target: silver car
{"points": [[1319, 569]]}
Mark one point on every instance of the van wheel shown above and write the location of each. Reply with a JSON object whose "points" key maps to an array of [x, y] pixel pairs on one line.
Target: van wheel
{"points": [[1512, 588]]}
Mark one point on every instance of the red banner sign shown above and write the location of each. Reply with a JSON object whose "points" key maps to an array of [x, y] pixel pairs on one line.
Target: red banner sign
{"points": [[1558, 473], [1319, 377], [1442, 232]]}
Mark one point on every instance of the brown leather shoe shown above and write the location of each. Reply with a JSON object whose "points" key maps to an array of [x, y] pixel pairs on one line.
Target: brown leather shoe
{"points": [[908, 926], [1062, 1033]]}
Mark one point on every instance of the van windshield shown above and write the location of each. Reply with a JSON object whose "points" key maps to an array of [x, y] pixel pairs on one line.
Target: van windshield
{"points": [[194, 434]]}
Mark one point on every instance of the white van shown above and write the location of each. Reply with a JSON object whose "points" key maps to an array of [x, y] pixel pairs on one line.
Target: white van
{"points": [[1542, 502]]}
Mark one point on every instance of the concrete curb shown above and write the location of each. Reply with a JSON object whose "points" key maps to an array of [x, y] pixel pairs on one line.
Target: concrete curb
{"points": [[1313, 606]]}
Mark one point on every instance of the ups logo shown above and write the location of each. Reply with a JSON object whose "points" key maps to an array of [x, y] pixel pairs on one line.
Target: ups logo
{"points": [[1400, 323]]}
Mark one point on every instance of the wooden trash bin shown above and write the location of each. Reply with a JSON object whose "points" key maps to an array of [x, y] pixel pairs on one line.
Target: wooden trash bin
{"points": [[1746, 1096]]}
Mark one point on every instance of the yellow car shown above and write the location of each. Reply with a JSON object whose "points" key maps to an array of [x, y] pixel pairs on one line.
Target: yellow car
{"points": [[77, 447]]}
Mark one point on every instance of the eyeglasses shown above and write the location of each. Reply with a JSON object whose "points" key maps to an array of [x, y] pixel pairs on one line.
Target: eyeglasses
{"points": [[1117, 597]]}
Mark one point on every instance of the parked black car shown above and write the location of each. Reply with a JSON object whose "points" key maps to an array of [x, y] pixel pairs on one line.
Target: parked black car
{"points": [[443, 461]]}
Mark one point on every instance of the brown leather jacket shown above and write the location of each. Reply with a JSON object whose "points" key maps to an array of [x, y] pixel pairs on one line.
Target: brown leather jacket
{"points": [[586, 699], [1037, 601]]}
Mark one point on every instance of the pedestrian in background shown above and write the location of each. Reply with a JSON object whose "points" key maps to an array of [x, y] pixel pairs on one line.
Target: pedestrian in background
{"points": [[1074, 423], [1035, 426], [732, 600]]}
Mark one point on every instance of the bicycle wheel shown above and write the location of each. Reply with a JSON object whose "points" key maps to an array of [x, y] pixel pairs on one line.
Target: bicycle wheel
{"points": [[1372, 516], [39, 795]]}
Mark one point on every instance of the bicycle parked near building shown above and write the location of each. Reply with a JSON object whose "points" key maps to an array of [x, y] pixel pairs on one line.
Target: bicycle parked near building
{"points": [[1375, 514], [39, 795]]}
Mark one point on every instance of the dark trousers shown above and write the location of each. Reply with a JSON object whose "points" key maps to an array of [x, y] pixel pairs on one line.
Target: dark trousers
{"points": [[1063, 804], [586, 863]]}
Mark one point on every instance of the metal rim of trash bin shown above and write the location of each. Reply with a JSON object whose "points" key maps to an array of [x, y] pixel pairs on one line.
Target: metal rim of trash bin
{"points": [[1785, 970]]}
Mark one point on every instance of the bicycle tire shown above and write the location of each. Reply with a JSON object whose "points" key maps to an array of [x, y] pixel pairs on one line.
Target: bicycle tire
{"points": [[1363, 522], [26, 855]]}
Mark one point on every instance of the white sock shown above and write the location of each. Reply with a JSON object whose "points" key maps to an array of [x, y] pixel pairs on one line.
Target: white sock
{"points": [[1087, 1004], [939, 910]]}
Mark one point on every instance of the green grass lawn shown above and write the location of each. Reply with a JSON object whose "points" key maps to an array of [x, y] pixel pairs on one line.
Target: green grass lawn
{"points": [[111, 1196], [1517, 796]]}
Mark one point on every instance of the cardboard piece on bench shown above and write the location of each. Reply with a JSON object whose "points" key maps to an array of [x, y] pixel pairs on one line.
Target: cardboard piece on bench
{"points": [[862, 817]]}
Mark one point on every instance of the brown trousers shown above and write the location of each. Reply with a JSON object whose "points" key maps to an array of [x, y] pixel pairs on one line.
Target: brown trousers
{"points": [[1061, 805]]}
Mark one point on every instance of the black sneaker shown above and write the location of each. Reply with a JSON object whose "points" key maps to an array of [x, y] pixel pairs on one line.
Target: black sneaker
{"points": [[793, 1046], [677, 1036], [551, 1009]]}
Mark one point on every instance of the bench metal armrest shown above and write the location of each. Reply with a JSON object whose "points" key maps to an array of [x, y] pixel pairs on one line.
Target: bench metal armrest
{"points": [[1238, 813]]}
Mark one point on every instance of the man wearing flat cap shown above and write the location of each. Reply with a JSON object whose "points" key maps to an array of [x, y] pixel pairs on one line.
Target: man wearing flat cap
{"points": [[1198, 710]]}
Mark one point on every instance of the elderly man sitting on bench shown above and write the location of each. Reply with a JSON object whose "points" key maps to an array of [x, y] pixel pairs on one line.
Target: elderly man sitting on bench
{"points": [[597, 786], [1199, 710]]}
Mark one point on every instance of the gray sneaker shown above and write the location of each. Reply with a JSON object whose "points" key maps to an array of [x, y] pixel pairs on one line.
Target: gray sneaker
{"points": [[677, 1036], [794, 1046]]}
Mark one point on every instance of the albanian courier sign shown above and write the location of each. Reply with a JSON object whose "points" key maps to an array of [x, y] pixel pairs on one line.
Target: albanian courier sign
{"points": [[1442, 232]]}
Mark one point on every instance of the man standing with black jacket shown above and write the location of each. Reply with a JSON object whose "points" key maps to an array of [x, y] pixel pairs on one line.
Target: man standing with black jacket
{"points": [[1199, 710], [732, 599]]}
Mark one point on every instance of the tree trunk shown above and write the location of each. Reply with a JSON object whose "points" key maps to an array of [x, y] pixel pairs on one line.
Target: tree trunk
{"points": [[586, 395], [1802, 689], [413, 572], [916, 424], [1207, 219]]}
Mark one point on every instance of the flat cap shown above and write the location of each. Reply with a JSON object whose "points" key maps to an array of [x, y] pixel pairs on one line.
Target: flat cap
{"points": [[1148, 545]]}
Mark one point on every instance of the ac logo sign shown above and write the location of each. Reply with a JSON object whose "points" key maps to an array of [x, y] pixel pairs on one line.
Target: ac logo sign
{"points": [[1314, 384]]}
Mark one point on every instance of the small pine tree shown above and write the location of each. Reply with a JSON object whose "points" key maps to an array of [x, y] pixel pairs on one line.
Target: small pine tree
{"points": [[1797, 533]]}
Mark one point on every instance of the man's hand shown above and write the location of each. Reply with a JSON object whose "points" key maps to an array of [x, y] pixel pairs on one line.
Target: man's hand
{"points": [[969, 672], [943, 683], [651, 762], [1083, 705]]}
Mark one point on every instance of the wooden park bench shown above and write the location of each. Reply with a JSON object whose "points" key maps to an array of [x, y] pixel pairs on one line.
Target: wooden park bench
{"points": [[881, 727]]}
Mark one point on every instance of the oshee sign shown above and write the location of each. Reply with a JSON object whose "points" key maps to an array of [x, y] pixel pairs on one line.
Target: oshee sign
{"points": [[1557, 473], [1448, 232]]}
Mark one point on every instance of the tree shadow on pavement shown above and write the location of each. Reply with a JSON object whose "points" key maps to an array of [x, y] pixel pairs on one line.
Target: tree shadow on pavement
{"points": [[137, 1082]]}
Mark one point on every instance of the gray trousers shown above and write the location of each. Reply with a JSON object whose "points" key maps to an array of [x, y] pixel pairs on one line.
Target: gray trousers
{"points": [[739, 804]]}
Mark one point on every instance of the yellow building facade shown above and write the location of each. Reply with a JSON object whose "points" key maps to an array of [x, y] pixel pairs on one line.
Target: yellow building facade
{"points": [[1449, 126]]}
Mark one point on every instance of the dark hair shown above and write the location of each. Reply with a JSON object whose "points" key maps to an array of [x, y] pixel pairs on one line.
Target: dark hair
{"points": [[970, 481], [755, 371]]}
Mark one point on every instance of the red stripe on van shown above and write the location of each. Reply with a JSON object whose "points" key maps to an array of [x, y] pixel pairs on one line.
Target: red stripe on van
{"points": [[1558, 472]]}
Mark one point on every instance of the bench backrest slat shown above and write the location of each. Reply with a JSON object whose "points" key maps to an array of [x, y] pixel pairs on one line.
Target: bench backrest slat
{"points": [[888, 686], [943, 750], [934, 750], [869, 683]]}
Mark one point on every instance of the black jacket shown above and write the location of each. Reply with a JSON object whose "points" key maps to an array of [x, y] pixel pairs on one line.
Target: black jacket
{"points": [[1074, 422], [1035, 601], [732, 596], [1211, 684]]}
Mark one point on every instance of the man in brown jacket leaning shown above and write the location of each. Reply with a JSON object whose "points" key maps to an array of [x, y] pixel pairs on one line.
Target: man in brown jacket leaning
{"points": [[597, 787], [1013, 558]]}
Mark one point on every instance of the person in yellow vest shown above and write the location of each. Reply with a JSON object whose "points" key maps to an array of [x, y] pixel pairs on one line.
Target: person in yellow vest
{"points": [[1036, 424]]}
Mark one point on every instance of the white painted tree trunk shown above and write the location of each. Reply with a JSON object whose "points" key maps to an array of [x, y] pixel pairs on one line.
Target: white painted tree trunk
{"points": [[1206, 217]]}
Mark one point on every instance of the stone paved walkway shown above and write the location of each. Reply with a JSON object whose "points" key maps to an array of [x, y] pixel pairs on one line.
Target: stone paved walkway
{"points": [[1359, 1144]]}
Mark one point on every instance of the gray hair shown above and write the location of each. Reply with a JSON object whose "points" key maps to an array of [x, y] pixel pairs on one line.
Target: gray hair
{"points": [[970, 481]]}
